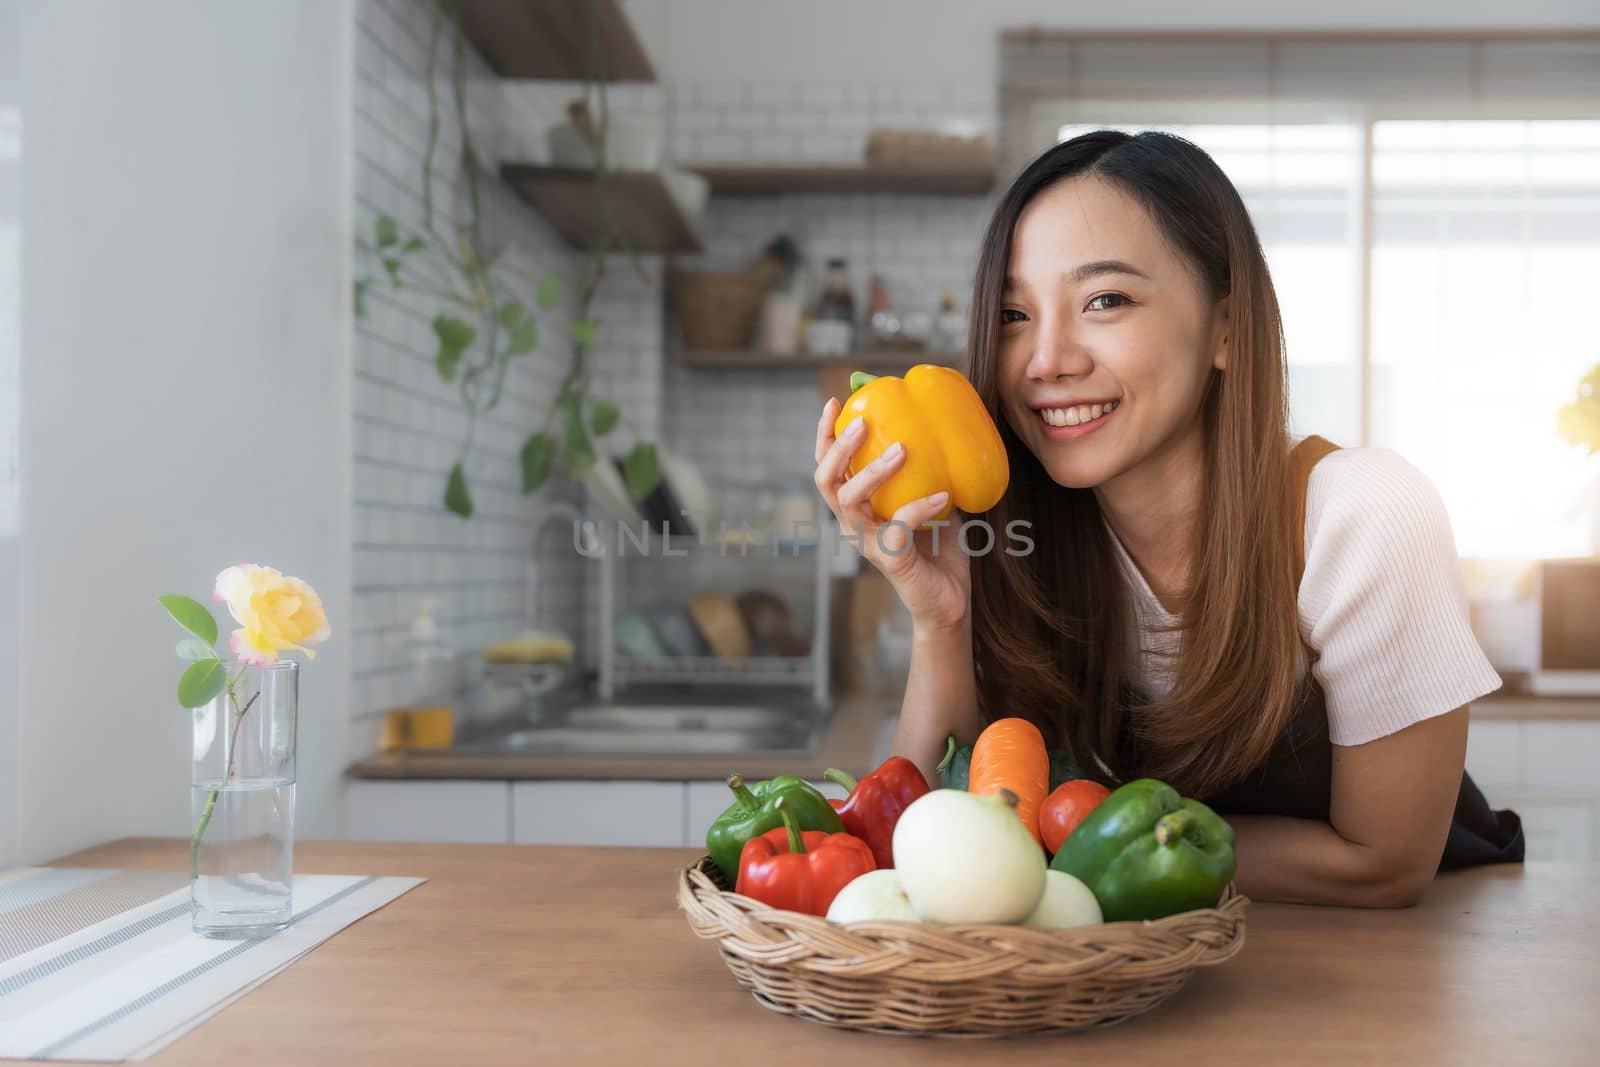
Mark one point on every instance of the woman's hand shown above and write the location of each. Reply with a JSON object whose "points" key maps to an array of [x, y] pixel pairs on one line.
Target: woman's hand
{"points": [[934, 584]]}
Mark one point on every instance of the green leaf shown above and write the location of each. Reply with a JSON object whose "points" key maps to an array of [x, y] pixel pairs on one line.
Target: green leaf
{"points": [[195, 649], [523, 338], [537, 454], [454, 337], [579, 454], [583, 331], [415, 244], [361, 298], [603, 415], [510, 313], [456, 497], [192, 616], [385, 230], [642, 471], [549, 294], [391, 267], [201, 683]]}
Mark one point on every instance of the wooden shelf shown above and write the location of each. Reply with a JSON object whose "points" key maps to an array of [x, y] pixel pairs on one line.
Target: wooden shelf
{"points": [[549, 39], [646, 213], [803, 180], [890, 360]]}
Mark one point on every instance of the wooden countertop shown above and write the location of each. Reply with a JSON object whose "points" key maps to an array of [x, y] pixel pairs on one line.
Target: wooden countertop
{"points": [[522, 955], [1518, 704], [848, 743]]}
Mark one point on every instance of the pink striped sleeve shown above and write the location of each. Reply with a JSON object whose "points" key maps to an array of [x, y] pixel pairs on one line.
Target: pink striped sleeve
{"points": [[1383, 600]]}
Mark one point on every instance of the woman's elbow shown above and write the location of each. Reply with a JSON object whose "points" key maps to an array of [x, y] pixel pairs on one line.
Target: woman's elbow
{"points": [[1396, 887]]}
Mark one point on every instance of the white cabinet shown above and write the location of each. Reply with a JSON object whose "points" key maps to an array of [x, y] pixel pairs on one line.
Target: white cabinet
{"points": [[598, 813], [548, 812], [1548, 771], [1557, 827], [1495, 756], [1562, 755], [522, 813], [707, 800], [412, 810]]}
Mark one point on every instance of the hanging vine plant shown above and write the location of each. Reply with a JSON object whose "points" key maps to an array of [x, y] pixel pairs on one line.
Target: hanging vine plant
{"points": [[490, 316]]}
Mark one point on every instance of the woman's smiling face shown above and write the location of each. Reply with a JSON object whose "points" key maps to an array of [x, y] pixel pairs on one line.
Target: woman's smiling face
{"points": [[1098, 308]]}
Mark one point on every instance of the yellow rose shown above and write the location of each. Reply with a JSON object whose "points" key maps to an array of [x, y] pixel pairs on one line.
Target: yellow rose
{"points": [[274, 613]]}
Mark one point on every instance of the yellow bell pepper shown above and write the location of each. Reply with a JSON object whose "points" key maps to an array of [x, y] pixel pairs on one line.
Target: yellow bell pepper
{"points": [[951, 442]]}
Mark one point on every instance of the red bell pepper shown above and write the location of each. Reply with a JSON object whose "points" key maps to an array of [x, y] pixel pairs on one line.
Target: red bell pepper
{"points": [[800, 872], [876, 802]]}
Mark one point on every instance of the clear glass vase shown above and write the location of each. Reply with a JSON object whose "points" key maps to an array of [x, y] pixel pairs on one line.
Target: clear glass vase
{"points": [[241, 854]]}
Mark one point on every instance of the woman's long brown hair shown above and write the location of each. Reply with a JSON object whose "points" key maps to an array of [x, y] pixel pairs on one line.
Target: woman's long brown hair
{"points": [[1054, 640]]}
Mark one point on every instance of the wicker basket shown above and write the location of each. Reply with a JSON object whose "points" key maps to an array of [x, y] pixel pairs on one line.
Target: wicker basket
{"points": [[954, 981], [717, 309]]}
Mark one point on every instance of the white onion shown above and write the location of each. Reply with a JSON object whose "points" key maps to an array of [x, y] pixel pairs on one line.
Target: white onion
{"points": [[1066, 902], [965, 858], [870, 897]]}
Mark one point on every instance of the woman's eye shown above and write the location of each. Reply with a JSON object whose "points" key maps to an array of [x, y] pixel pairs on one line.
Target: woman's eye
{"points": [[1107, 302], [1010, 315]]}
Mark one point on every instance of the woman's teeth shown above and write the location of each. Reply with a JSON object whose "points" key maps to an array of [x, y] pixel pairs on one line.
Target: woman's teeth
{"points": [[1076, 416]]}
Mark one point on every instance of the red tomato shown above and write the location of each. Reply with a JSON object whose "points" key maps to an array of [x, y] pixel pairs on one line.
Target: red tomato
{"points": [[1065, 808]]}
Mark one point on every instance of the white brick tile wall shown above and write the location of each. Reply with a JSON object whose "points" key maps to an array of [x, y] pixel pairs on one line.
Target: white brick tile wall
{"points": [[774, 122], [748, 429], [741, 429], [746, 426], [407, 425]]}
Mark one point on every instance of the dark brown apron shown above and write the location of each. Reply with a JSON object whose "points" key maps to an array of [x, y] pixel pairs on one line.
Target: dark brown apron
{"points": [[1297, 777]]}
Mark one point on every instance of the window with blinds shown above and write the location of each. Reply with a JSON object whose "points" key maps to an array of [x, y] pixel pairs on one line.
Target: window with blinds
{"points": [[1430, 212]]}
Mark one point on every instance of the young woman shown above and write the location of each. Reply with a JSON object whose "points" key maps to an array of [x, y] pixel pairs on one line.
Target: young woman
{"points": [[1277, 628]]}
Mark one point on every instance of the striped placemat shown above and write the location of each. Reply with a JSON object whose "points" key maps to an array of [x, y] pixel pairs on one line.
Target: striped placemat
{"points": [[104, 965]]}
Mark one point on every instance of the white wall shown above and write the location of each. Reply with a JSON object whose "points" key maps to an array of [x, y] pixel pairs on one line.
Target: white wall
{"points": [[10, 144], [185, 378], [955, 40]]}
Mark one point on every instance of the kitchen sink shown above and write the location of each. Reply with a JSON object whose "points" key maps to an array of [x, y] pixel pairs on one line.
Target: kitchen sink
{"points": [[677, 717], [686, 742], [665, 720]]}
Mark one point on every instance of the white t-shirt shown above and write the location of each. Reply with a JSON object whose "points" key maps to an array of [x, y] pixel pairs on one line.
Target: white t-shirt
{"points": [[1382, 601]]}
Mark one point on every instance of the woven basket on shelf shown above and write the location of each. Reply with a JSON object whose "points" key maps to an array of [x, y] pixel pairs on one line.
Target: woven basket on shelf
{"points": [[954, 981], [717, 309]]}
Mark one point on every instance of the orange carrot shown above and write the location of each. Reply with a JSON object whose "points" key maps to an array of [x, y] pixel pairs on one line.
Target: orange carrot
{"points": [[1011, 753]]}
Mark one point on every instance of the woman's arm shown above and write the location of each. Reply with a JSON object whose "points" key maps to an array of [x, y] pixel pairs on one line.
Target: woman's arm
{"points": [[1390, 813], [941, 696]]}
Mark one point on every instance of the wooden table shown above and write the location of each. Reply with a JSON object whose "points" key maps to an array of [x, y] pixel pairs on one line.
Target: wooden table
{"points": [[536, 955]]}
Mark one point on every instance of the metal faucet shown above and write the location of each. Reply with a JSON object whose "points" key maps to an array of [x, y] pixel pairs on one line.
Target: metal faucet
{"points": [[557, 509]]}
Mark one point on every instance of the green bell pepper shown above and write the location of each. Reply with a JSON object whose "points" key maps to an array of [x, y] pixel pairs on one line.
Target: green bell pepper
{"points": [[754, 812], [957, 764], [1147, 852]]}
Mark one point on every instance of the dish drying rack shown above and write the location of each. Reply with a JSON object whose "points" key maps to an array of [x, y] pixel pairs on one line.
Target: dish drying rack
{"points": [[809, 671], [605, 545]]}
